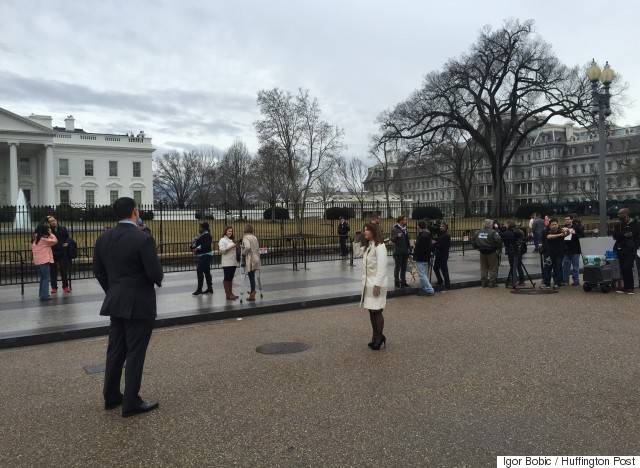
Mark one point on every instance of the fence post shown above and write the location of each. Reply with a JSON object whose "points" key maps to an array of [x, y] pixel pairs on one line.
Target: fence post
{"points": [[294, 253]]}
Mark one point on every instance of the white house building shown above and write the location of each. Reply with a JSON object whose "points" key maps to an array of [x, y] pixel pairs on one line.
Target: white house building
{"points": [[55, 165]]}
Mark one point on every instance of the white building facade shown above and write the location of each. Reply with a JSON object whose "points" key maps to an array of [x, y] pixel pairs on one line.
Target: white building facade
{"points": [[57, 165]]}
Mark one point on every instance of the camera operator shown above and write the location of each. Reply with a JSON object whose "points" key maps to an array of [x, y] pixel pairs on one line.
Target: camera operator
{"points": [[511, 238]]}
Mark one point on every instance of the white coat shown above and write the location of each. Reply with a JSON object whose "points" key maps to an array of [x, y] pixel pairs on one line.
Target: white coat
{"points": [[374, 263], [227, 253]]}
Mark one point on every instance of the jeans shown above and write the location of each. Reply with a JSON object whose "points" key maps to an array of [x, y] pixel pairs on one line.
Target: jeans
{"points": [[441, 265], [44, 272], [515, 259], [252, 279], [422, 274], [571, 262], [556, 268]]}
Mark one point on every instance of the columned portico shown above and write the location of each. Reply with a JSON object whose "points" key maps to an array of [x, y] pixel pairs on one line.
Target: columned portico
{"points": [[12, 186], [49, 179]]}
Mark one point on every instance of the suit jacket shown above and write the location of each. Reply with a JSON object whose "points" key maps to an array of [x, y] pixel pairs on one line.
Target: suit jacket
{"points": [[126, 265]]}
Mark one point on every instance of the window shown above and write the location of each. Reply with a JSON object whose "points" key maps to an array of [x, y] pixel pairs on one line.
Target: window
{"points": [[113, 196], [88, 167], [113, 168], [27, 195], [90, 198], [63, 167], [64, 196], [24, 167], [572, 151]]}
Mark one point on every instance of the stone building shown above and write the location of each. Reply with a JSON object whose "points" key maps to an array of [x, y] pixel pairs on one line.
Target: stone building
{"points": [[54, 165], [557, 164]]}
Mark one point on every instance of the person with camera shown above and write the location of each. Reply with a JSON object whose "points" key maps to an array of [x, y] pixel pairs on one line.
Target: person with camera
{"points": [[60, 256], [553, 248], [441, 256], [512, 238], [627, 240], [571, 262], [400, 238], [343, 233], [489, 243], [422, 257], [201, 247], [229, 261]]}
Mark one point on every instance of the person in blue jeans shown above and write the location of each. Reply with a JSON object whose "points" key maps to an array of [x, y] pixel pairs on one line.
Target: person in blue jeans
{"points": [[441, 256], [553, 251], [572, 253], [422, 256]]}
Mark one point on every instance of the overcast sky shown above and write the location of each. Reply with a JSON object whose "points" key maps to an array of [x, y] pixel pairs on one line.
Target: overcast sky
{"points": [[188, 72]]}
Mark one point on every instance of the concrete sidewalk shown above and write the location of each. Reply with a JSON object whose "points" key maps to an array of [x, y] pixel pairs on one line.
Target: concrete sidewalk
{"points": [[466, 376], [24, 320]]}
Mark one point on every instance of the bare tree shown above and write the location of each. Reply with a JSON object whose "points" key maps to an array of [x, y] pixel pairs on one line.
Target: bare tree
{"points": [[271, 182], [183, 178], [382, 172], [354, 174], [234, 175], [206, 162], [507, 86], [326, 186], [455, 160], [306, 143]]}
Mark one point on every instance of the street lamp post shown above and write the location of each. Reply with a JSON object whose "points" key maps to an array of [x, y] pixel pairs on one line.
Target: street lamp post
{"points": [[600, 105]]}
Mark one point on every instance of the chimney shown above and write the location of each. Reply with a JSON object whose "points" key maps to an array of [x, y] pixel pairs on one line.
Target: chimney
{"points": [[69, 124]]}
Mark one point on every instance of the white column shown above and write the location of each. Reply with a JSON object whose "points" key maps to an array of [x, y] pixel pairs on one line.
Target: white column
{"points": [[49, 177], [12, 186]]}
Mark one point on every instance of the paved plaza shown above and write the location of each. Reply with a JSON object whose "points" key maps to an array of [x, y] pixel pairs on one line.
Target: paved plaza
{"points": [[467, 375]]}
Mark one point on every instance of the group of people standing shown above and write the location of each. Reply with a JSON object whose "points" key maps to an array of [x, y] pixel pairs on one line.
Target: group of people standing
{"points": [[231, 253], [50, 252]]}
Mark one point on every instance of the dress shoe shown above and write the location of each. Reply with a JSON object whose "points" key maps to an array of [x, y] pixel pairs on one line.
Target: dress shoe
{"points": [[113, 405], [143, 408], [197, 292]]}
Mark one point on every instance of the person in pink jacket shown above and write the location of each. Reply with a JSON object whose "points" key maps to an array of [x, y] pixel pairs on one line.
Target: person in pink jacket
{"points": [[41, 242]]}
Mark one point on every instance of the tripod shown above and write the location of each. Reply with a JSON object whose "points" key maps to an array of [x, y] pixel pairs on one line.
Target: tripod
{"points": [[517, 260]]}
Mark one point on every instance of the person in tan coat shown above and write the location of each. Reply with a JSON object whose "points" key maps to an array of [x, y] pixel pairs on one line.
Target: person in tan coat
{"points": [[251, 251], [374, 282]]}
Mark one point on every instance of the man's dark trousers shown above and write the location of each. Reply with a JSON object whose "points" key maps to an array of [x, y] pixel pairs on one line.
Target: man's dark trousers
{"points": [[61, 261], [128, 340], [400, 270], [344, 251], [626, 268]]}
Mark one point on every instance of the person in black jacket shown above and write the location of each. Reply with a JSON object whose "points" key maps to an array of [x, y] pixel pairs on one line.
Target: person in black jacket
{"points": [[441, 254], [202, 248], [627, 236], [511, 238], [572, 251], [343, 232], [126, 265], [402, 246], [422, 257], [60, 256], [553, 253]]}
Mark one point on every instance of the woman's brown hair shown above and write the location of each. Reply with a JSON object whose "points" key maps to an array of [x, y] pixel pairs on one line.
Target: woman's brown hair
{"points": [[248, 229], [377, 234], [224, 233]]}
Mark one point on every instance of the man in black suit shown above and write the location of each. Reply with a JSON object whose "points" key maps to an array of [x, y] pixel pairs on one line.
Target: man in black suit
{"points": [[126, 265]]}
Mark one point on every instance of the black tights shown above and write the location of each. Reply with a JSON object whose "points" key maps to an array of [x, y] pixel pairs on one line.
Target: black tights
{"points": [[377, 324]]}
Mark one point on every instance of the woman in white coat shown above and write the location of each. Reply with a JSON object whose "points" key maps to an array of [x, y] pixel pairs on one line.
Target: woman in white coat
{"points": [[374, 282], [227, 246]]}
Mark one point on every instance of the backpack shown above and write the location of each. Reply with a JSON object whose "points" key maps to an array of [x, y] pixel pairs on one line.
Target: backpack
{"points": [[521, 247], [72, 248]]}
